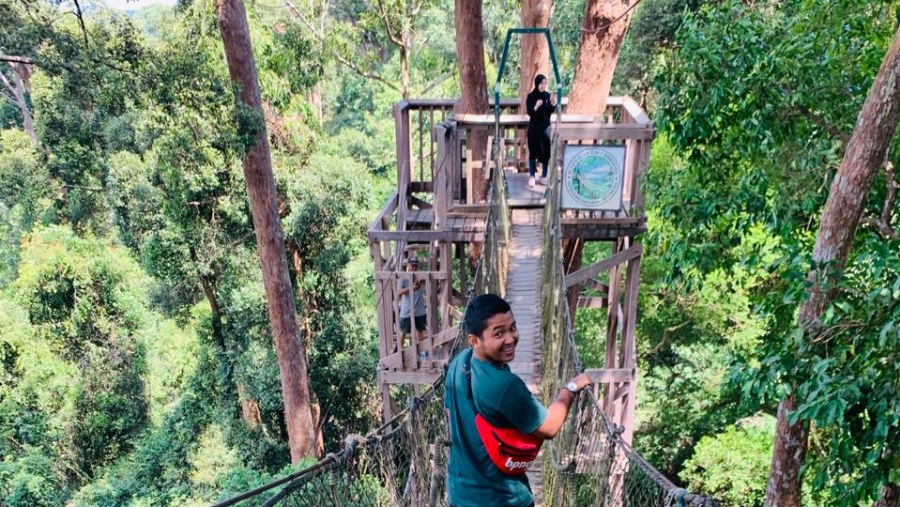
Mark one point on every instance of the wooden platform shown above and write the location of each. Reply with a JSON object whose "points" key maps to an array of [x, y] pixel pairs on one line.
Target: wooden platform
{"points": [[523, 292], [520, 196]]}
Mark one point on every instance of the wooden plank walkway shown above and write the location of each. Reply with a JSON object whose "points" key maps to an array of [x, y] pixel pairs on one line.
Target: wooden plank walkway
{"points": [[520, 195], [523, 291]]}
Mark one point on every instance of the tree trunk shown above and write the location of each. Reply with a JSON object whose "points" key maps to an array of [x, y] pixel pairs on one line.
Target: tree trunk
{"points": [[865, 155], [17, 89], [314, 96], [260, 180], [604, 28], [890, 496], [404, 72], [472, 82], [535, 57], [791, 441], [605, 24], [306, 332]]}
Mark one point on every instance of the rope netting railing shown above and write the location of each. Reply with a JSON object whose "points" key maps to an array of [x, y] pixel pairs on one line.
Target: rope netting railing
{"points": [[403, 462], [588, 463]]}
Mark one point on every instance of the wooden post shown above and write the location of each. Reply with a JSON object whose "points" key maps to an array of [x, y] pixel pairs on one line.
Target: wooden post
{"points": [[442, 186], [404, 157], [629, 352], [612, 321], [637, 195], [456, 161], [631, 157]]}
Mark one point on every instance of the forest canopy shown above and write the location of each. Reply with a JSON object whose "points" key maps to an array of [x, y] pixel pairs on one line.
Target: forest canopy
{"points": [[137, 364]]}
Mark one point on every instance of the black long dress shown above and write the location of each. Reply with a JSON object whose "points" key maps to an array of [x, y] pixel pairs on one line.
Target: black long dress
{"points": [[539, 126]]}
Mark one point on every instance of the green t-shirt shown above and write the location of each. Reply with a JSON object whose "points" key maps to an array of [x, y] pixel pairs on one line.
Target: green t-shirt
{"points": [[505, 401]]}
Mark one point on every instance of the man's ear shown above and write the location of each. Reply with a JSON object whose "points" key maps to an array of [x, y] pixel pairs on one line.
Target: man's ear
{"points": [[473, 339]]}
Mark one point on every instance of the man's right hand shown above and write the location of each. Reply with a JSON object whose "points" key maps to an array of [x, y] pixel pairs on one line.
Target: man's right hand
{"points": [[582, 381]]}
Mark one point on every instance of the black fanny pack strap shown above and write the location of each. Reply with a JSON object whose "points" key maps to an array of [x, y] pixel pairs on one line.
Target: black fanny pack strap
{"points": [[469, 373]]}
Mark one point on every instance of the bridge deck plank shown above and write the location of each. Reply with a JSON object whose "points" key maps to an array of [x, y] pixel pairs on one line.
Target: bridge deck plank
{"points": [[523, 292]]}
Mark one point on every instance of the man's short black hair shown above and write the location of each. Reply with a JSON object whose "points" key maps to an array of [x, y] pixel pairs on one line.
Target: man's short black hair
{"points": [[481, 309]]}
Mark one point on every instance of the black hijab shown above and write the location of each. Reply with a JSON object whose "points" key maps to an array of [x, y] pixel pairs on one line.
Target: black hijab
{"points": [[537, 81]]}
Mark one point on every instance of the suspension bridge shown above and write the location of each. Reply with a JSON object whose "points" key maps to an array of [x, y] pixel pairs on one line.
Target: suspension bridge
{"points": [[517, 238]]}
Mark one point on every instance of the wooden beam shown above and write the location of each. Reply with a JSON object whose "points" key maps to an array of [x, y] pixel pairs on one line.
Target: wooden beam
{"points": [[614, 221], [601, 234], [421, 204], [596, 285], [592, 302], [426, 236], [422, 275], [445, 336], [640, 117], [469, 209], [404, 159], [386, 211], [427, 376], [488, 120], [609, 375], [595, 269], [605, 132], [421, 186]]}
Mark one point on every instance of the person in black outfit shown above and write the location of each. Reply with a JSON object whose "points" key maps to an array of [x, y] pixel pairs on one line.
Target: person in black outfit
{"points": [[540, 106]]}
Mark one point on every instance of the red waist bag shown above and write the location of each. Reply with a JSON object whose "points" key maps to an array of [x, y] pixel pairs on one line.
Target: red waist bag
{"points": [[512, 451]]}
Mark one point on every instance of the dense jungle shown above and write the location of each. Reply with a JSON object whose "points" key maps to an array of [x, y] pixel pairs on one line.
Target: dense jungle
{"points": [[137, 364]]}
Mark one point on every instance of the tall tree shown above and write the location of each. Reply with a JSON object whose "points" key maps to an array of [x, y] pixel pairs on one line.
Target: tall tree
{"points": [[605, 24], [865, 155], [604, 27], [535, 57], [398, 17], [257, 163], [472, 77]]}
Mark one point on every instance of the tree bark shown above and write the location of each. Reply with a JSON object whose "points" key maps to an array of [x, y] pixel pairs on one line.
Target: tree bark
{"points": [[604, 28], [535, 57], [257, 164], [404, 71], [890, 496], [472, 81], [17, 89], [791, 441], [863, 158]]}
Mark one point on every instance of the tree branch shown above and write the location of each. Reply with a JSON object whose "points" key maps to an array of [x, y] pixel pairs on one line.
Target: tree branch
{"points": [[384, 20], [81, 22], [368, 75], [337, 55], [16, 59], [435, 83], [818, 120], [7, 84]]}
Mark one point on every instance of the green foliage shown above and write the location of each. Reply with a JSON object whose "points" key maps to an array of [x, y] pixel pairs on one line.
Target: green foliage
{"points": [[733, 466], [653, 28], [758, 100], [329, 205], [75, 293], [32, 480], [25, 196]]}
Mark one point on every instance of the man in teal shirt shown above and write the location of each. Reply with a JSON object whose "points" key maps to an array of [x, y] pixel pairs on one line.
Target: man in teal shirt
{"points": [[503, 399]]}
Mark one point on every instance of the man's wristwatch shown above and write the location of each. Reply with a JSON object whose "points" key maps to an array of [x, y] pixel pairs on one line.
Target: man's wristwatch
{"points": [[572, 387]]}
